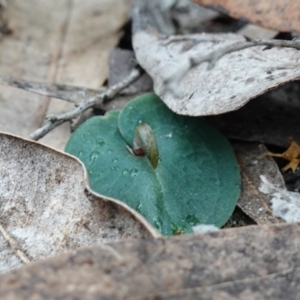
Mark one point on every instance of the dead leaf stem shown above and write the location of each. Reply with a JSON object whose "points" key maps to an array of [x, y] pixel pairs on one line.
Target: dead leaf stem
{"points": [[54, 121]]}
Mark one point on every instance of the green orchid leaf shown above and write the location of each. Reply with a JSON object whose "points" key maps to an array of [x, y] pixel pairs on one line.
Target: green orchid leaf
{"points": [[196, 179]]}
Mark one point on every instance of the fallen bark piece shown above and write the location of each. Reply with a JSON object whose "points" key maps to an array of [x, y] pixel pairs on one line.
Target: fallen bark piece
{"points": [[45, 206], [275, 286], [230, 261]]}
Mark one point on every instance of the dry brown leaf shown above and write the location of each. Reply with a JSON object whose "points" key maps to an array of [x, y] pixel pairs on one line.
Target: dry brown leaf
{"points": [[235, 79], [228, 262], [292, 154], [252, 201], [45, 206], [58, 41], [92, 31], [281, 15], [31, 51]]}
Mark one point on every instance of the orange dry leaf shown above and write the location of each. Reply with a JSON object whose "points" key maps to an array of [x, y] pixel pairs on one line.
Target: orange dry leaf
{"points": [[292, 154], [281, 15]]}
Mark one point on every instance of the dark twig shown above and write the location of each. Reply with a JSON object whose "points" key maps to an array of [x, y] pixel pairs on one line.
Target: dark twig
{"points": [[54, 121], [173, 82]]}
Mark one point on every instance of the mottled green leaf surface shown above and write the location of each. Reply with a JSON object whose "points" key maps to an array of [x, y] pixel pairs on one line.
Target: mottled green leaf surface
{"points": [[197, 180]]}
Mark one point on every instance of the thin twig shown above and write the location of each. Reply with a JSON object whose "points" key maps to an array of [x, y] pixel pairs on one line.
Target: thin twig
{"points": [[14, 246], [68, 93], [55, 120], [173, 82]]}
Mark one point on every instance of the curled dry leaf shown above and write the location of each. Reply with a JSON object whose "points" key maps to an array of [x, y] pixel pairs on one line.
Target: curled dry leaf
{"points": [[45, 206], [281, 15], [235, 79]]}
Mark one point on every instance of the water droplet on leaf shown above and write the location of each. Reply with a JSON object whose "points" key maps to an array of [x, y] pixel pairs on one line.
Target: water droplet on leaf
{"points": [[94, 155], [139, 208], [157, 223], [100, 142], [125, 172], [134, 172]]}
